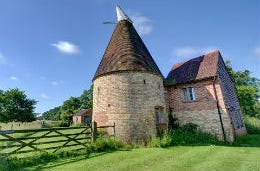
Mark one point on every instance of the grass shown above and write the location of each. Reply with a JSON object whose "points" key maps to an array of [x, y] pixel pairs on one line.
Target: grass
{"points": [[184, 149], [173, 158], [28, 125]]}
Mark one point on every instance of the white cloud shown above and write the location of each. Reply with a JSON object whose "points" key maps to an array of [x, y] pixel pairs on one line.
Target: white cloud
{"points": [[2, 59], [44, 96], [13, 78], [185, 52], [141, 23], [55, 83], [66, 47], [257, 51]]}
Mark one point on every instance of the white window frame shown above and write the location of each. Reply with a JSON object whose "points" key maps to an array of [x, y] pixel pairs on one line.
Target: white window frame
{"points": [[188, 94]]}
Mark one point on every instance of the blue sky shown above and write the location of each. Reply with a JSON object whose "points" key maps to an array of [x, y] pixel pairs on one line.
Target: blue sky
{"points": [[50, 49]]}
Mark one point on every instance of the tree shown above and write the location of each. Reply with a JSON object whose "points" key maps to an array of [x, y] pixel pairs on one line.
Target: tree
{"points": [[248, 89], [68, 108], [15, 106], [52, 114], [86, 98]]}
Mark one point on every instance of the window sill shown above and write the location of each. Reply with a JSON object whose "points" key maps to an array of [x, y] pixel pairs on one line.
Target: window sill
{"points": [[190, 101]]}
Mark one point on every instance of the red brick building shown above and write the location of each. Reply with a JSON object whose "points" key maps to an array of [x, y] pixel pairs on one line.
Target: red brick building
{"points": [[82, 117], [129, 90], [200, 91]]}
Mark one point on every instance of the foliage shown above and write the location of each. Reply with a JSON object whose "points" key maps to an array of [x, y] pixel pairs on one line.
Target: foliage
{"points": [[70, 107], [106, 144], [247, 97], [248, 90], [252, 125], [173, 121], [15, 106], [52, 114], [187, 134], [86, 98], [248, 140]]}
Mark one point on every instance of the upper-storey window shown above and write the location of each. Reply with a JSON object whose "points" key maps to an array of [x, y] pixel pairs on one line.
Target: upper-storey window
{"points": [[188, 94]]}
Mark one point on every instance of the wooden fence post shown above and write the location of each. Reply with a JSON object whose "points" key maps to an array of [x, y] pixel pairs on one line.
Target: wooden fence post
{"points": [[93, 131], [114, 126]]}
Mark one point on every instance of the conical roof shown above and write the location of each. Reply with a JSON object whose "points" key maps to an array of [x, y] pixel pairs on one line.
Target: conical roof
{"points": [[126, 51]]}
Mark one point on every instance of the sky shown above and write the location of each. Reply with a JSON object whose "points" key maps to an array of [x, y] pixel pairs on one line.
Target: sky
{"points": [[51, 48]]}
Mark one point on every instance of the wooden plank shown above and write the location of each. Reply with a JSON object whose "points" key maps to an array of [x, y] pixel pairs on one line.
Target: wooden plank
{"points": [[21, 142], [69, 140], [108, 126], [40, 130], [40, 143], [49, 136]]}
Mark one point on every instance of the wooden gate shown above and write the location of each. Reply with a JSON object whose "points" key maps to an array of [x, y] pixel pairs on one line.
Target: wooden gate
{"points": [[47, 139]]}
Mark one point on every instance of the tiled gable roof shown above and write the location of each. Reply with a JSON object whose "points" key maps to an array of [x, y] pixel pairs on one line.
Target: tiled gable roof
{"points": [[195, 69], [84, 112], [126, 52]]}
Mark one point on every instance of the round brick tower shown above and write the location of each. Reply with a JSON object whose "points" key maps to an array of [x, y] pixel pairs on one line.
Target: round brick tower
{"points": [[128, 86]]}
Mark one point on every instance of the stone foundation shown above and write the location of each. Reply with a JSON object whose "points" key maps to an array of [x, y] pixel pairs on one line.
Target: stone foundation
{"points": [[208, 121]]}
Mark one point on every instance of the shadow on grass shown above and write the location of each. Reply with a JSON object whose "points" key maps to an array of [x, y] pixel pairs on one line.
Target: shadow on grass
{"points": [[62, 161]]}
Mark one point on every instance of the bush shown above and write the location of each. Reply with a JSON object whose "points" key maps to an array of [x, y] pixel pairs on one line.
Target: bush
{"points": [[188, 134], [252, 125], [106, 144]]}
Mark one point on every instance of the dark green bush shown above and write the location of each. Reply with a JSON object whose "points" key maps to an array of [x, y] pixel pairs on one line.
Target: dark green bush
{"points": [[188, 134], [107, 144]]}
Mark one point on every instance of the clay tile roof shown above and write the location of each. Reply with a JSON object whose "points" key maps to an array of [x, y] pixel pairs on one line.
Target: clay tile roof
{"points": [[84, 112], [198, 68], [126, 52]]}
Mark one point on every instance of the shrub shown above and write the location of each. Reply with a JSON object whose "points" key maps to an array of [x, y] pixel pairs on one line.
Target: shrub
{"points": [[106, 144], [252, 125], [188, 134]]}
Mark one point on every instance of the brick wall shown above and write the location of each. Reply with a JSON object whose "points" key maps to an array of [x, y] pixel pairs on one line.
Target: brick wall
{"points": [[78, 119], [129, 99], [230, 98], [203, 111]]}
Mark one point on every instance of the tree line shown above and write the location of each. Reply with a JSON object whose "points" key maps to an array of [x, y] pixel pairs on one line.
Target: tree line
{"points": [[70, 107]]}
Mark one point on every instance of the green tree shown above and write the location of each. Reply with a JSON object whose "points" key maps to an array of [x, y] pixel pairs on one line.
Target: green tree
{"points": [[247, 100], [68, 108], [248, 89], [52, 114], [86, 98], [15, 106]]}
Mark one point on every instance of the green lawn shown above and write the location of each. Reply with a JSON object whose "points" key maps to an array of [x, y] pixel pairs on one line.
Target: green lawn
{"points": [[174, 158]]}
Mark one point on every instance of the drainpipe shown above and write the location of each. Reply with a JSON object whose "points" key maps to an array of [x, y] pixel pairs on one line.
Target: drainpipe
{"points": [[219, 113]]}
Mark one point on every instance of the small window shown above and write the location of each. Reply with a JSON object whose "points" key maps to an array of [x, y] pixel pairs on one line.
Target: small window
{"points": [[188, 94], [144, 82], [159, 115]]}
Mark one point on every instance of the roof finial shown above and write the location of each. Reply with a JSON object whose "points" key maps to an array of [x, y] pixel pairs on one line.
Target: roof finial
{"points": [[121, 15]]}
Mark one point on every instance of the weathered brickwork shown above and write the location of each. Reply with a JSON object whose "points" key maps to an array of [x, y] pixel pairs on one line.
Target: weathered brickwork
{"points": [[230, 98], [203, 111], [129, 99], [77, 119]]}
